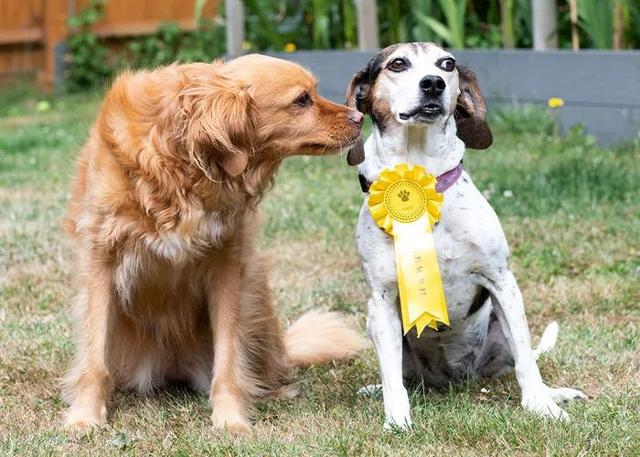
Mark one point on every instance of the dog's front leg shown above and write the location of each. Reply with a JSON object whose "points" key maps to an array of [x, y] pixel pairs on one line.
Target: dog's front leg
{"points": [[227, 396], [536, 396], [385, 330], [88, 385]]}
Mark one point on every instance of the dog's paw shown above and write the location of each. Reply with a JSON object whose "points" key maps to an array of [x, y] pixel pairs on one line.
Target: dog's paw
{"points": [[82, 420], [543, 405], [565, 394], [235, 424], [402, 424], [399, 418]]}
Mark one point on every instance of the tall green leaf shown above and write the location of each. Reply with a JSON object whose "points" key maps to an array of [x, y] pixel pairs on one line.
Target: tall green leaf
{"points": [[596, 19], [421, 31], [454, 12]]}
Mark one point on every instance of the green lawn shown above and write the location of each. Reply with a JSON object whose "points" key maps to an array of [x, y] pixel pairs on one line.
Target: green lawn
{"points": [[570, 211]]}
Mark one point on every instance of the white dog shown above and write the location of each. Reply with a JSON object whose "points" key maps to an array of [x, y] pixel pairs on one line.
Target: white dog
{"points": [[415, 94]]}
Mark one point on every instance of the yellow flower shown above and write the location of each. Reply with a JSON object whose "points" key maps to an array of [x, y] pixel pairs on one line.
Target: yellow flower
{"points": [[555, 102], [290, 47]]}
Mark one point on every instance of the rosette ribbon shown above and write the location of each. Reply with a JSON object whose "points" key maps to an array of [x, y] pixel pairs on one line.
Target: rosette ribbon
{"points": [[404, 202]]}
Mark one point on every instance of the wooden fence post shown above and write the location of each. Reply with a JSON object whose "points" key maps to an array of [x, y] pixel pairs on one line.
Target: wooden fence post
{"points": [[545, 24], [368, 38], [54, 33], [234, 10]]}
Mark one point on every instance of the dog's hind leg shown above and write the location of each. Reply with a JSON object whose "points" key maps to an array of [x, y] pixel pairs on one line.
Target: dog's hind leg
{"points": [[385, 330], [88, 385], [509, 308], [496, 357]]}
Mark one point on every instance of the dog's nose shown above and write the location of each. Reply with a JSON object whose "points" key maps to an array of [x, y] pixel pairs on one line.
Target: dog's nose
{"points": [[356, 116], [432, 85]]}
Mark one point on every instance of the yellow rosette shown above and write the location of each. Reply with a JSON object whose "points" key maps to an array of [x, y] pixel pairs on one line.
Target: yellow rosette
{"points": [[404, 202]]}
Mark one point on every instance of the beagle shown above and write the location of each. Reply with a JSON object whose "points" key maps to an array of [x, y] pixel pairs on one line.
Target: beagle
{"points": [[425, 108]]}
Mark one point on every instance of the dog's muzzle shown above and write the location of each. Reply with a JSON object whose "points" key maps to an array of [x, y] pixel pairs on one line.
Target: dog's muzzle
{"points": [[426, 113], [431, 108]]}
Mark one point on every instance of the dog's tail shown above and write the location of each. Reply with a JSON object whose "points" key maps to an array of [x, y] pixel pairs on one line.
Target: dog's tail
{"points": [[547, 340], [319, 337]]}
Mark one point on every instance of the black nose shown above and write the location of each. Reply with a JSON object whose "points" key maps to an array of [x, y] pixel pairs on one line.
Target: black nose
{"points": [[432, 85]]}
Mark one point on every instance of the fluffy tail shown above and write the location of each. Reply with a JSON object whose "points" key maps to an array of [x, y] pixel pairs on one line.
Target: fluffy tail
{"points": [[548, 339], [319, 337]]}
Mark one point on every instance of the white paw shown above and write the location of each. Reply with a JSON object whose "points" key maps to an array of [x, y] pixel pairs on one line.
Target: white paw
{"points": [[565, 394], [398, 422], [541, 403], [398, 414]]}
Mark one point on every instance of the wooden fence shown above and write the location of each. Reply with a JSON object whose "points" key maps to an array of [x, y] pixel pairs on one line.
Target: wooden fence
{"points": [[32, 31]]}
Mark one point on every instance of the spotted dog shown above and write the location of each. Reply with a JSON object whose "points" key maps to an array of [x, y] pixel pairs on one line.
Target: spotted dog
{"points": [[425, 108]]}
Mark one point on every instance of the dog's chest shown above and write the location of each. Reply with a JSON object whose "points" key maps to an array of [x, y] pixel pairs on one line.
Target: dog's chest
{"points": [[171, 263], [468, 240]]}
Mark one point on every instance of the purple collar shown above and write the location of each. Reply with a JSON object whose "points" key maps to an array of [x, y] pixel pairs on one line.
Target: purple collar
{"points": [[445, 180]]}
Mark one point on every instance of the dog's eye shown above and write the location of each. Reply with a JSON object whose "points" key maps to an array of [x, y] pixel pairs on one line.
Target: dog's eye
{"points": [[447, 64], [398, 65], [303, 101]]}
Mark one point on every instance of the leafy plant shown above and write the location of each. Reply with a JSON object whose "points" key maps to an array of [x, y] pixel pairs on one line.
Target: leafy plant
{"points": [[526, 118], [596, 19], [172, 44], [421, 31], [88, 57], [307, 24], [393, 21], [454, 12]]}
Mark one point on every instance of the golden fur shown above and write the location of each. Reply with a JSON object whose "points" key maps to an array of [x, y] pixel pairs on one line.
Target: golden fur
{"points": [[163, 215]]}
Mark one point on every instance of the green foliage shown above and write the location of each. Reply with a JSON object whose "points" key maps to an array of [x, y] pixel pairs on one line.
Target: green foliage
{"points": [[526, 118], [421, 31], [172, 44], [596, 19], [88, 58], [91, 63], [453, 30], [586, 177], [307, 24]]}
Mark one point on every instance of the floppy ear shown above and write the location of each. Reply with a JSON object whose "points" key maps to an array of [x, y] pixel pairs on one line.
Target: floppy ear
{"points": [[359, 97], [219, 124], [471, 112]]}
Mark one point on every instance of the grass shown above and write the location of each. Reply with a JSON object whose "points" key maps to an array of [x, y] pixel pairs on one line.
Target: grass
{"points": [[569, 209]]}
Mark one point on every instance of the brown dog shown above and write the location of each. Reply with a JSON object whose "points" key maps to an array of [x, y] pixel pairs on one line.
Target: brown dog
{"points": [[163, 213]]}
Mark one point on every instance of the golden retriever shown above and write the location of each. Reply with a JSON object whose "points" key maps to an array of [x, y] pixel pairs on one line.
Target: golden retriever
{"points": [[163, 213]]}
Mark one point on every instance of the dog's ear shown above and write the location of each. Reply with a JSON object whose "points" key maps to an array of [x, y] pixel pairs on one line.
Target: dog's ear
{"points": [[355, 156], [471, 112], [358, 92], [359, 97], [219, 123]]}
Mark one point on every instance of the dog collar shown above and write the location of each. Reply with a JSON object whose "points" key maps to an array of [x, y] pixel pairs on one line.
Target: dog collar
{"points": [[444, 181]]}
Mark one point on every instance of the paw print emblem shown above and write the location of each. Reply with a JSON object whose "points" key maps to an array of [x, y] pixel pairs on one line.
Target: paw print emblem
{"points": [[404, 195]]}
